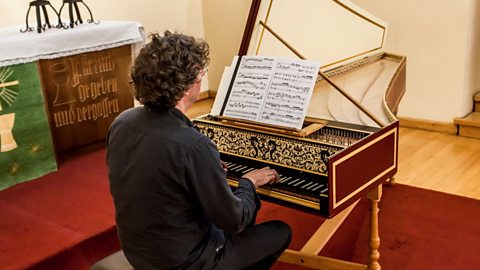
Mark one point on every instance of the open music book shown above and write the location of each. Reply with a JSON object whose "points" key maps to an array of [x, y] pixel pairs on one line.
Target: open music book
{"points": [[269, 90]]}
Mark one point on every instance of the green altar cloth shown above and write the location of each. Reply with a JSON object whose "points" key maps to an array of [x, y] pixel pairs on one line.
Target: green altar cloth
{"points": [[26, 150]]}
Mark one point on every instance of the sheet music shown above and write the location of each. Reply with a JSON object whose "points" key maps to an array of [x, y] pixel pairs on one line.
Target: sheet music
{"points": [[222, 91], [271, 90]]}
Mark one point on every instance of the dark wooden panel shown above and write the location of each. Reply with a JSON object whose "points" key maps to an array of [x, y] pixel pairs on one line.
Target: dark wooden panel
{"points": [[247, 34], [84, 93], [354, 171]]}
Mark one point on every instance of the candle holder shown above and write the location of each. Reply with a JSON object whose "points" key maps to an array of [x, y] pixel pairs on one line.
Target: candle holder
{"points": [[73, 5], [41, 8]]}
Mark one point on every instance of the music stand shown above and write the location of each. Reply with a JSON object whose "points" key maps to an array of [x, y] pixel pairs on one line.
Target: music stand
{"points": [[73, 4], [40, 4]]}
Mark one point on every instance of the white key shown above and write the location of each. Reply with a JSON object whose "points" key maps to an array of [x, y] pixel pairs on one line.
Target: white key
{"points": [[308, 184], [296, 180], [285, 179], [299, 183], [241, 168], [234, 168], [317, 187], [314, 185], [247, 170]]}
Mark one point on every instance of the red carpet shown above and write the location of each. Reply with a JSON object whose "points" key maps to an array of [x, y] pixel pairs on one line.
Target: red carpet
{"points": [[65, 217], [419, 229], [65, 220]]}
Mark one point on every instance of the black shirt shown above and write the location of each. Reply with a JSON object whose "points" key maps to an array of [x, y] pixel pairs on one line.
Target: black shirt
{"points": [[171, 197]]}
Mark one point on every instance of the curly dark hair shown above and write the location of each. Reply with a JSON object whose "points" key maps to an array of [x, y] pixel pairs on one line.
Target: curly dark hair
{"points": [[166, 68]]}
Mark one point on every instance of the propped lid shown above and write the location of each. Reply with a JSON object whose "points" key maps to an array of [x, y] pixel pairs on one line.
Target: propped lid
{"points": [[333, 32]]}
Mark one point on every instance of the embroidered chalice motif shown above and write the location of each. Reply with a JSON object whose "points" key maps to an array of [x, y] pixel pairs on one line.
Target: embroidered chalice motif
{"points": [[6, 136], [8, 94]]}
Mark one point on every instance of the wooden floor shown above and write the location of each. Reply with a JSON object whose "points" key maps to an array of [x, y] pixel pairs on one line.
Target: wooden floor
{"points": [[439, 161], [431, 160]]}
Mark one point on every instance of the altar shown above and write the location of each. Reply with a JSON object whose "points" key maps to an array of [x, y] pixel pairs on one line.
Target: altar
{"points": [[60, 90]]}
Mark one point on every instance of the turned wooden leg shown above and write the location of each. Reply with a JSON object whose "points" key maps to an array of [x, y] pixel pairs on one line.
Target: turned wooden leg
{"points": [[392, 181], [374, 243]]}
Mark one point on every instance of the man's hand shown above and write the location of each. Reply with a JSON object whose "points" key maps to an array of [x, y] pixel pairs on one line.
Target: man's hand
{"points": [[262, 176], [224, 165]]}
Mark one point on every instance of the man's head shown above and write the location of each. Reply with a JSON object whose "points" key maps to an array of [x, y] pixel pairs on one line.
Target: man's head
{"points": [[167, 67]]}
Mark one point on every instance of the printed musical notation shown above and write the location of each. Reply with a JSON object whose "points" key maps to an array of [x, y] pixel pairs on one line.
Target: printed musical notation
{"points": [[271, 90]]}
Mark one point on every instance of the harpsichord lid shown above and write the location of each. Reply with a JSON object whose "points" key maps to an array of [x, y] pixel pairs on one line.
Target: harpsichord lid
{"points": [[333, 32]]}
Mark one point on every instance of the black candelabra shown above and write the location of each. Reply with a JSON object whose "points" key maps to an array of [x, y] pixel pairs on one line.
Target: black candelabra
{"points": [[73, 5], [41, 8]]}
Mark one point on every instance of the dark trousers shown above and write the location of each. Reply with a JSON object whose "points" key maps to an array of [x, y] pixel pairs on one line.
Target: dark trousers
{"points": [[256, 247]]}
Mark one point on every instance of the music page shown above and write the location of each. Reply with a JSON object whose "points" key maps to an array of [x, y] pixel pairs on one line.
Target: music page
{"points": [[270, 90]]}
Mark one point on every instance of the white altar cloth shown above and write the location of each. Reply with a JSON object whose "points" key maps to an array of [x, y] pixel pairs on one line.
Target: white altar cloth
{"points": [[18, 48]]}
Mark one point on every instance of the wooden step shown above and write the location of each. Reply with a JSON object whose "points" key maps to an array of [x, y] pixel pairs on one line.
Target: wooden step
{"points": [[469, 126], [476, 100]]}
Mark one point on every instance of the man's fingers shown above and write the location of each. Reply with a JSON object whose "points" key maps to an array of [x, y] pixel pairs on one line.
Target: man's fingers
{"points": [[263, 176], [274, 175]]}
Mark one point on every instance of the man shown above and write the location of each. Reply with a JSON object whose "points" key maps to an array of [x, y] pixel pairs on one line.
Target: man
{"points": [[174, 208]]}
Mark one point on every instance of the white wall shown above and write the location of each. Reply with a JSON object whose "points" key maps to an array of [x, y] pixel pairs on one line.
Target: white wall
{"points": [[156, 15], [441, 41], [224, 24], [184, 16]]}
